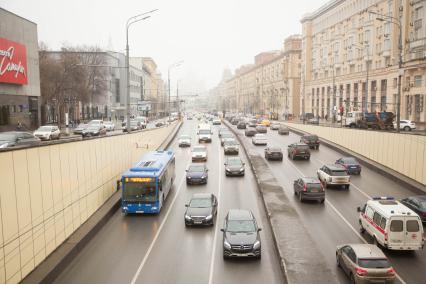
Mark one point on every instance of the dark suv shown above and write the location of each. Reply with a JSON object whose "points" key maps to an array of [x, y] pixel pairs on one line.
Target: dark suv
{"points": [[241, 235], [309, 188], [311, 140], [241, 125], [298, 150]]}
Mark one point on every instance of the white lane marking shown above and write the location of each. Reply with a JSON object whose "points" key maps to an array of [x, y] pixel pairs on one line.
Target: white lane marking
{"points": [[356, 187], [217, 217], [135, 277], [345, 220]]}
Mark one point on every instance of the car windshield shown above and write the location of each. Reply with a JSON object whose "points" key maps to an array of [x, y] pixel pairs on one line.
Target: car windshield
{"points": [[338, 173], [7, 137], [302, 147], [275, 149], [227, 135], [93, 127], [230, 142], [196, 168], [81, 125], [241, 226], [422, 204], [234, 162], [204, 131], [311, 138], [185, 137], [200, 203], [198, 149], [373, 263], [349, 160], [139, 191], [45, 128]]}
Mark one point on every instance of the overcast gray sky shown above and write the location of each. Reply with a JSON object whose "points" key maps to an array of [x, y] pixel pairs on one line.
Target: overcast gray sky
{"points": [[208, 35]]}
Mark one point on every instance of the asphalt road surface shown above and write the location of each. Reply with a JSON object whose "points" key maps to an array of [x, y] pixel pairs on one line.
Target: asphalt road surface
{"points": [[159, 249], [336, 222]]}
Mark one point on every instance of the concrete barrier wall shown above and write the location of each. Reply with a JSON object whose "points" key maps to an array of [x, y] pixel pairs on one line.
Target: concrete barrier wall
{"points": [[47, 192], [403, 153]]}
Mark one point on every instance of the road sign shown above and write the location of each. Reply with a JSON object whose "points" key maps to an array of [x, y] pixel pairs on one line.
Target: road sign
{"points": [[144, 105]]}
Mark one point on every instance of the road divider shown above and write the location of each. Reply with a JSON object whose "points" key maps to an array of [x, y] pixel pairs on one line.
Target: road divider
{"points": [[300, 259], [58, 260]]}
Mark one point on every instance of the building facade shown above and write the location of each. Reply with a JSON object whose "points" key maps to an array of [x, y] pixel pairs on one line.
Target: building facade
{"points": [[19, 72], [350, 58], [270, 86]]}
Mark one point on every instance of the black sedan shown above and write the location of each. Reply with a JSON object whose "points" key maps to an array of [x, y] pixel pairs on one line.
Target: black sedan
{"points": [[250, 132], [273, 153], [201, 209], [417, 204], [241, 125], [351, 165], [17, 138], [197, 174], [234, 167]]}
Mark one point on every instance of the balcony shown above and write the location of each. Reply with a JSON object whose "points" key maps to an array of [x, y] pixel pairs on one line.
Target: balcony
{"points": [[418, 43]]}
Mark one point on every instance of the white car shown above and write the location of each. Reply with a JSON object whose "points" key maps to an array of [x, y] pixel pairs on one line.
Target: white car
{"points": [[199, 153], [406, 125], [184, 141], [216, 122], [275, 126], [47, 132], [334, 175], [110, 126], [259, 139]]}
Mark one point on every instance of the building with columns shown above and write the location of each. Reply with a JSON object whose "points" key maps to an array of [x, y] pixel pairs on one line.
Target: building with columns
{"points": [[270, 86], [350, 57]]}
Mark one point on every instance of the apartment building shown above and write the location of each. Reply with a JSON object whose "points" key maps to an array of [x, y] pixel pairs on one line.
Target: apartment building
{"points": [[269, 86], [350, 57]]}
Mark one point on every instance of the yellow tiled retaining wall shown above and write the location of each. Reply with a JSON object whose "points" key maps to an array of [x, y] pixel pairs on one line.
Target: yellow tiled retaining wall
{"points": [[403, 153], [47, 192]]}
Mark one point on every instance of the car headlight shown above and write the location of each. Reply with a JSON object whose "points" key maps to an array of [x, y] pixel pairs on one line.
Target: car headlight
{"points": [[187, 217], [4, 145], [209, 217], [226, 244], [188, 177], [242, 170], [228, 170], [203, 177], [256, 244]]}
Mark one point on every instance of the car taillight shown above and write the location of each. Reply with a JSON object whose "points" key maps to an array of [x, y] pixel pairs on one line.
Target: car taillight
{"points": [[361, 271], [424, 214], [386, 236], [391, 271], [305, 187]]}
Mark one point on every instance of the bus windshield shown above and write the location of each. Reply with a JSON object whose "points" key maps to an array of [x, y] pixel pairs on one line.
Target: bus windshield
{"points": [[139, 191]]}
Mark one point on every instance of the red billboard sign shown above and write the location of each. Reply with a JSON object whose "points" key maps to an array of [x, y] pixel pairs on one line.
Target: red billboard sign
{"points": [[13, 62]]}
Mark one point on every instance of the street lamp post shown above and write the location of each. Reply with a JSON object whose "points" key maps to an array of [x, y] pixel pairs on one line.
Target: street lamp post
{"points": [[176, 64], [395, 21], [130, 22]]}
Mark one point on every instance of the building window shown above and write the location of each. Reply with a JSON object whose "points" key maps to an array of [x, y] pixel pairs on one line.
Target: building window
{"points": [[395, 82], [418, 81]]}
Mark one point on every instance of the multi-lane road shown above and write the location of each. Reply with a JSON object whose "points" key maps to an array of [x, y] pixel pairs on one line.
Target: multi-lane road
{"points": [[336, 222], [160, 249]]}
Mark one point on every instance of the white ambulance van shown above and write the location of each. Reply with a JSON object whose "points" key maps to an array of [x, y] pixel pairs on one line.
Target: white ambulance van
{"points": [[391, 224]]}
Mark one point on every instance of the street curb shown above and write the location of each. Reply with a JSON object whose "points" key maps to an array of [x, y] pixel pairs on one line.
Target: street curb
{"points": [[290, 248], [51, 267], [399, 178]]}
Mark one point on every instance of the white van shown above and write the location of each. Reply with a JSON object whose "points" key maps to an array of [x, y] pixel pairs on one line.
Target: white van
{"points": [[391, 224]]}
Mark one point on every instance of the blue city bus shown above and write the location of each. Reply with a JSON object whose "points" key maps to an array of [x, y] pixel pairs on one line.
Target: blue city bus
{"points": [[146, 185]]}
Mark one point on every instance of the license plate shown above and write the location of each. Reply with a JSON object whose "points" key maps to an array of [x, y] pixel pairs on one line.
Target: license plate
{"points": [[198, 222], [139, 212], [314, 190]]}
